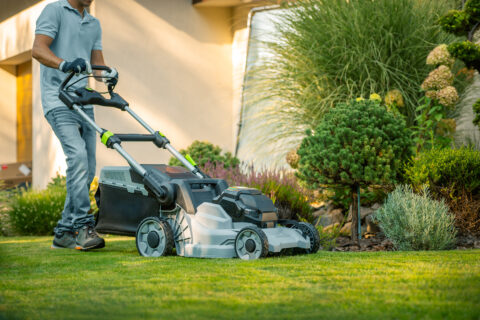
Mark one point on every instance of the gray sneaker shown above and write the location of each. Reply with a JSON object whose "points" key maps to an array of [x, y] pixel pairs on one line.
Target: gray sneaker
{"points": [[65, 240], [87, 238]]}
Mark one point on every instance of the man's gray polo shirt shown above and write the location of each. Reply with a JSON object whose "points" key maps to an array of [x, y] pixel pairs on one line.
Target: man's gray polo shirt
{"points": [[73, 37]]}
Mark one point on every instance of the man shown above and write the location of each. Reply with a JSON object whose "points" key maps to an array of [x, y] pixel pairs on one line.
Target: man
{"points": [[68, 39]]}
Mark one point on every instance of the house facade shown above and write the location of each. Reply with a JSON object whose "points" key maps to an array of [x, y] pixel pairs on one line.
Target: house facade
{"points": [[181, 66]]}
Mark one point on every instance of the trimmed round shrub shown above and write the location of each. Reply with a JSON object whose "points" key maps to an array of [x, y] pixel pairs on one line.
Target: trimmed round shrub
{"points": [[415, 221], [355, 145], [203, 152]]}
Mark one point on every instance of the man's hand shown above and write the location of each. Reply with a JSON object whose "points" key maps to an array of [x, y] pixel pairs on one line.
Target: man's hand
{"points": [[110, 78], [77, 66]]}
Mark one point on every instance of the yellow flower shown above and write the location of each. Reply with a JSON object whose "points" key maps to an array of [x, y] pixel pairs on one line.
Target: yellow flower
{"points": [[375, 97], [359, 99]]}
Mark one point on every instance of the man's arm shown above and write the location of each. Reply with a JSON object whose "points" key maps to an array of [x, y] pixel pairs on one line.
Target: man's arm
{"points": [[97, 59], [41, 51]]}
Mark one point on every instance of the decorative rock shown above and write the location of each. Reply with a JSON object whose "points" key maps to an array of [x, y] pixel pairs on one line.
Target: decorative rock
{"points": [[476, 244], [372, 227], [376, 206], [332, 217], [319, 212], [330, 227], [364, 211], [346, 229]]}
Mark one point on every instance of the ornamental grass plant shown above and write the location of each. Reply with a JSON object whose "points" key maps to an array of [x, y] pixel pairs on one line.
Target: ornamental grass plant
{"points": [[331, 51], [415, 221]]}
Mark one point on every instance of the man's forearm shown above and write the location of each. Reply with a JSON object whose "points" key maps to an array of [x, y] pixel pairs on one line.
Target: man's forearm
{"points": [[45, 56]]}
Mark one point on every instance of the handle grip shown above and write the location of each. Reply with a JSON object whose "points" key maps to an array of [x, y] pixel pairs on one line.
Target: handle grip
{"points": [[96, 67]]}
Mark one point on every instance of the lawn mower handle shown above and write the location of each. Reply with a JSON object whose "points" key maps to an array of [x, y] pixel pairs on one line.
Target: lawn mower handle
{"points": [[86, 96], [71, 74]]}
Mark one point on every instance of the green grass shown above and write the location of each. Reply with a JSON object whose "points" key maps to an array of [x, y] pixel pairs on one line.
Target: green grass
{"points": [[40, 283]]}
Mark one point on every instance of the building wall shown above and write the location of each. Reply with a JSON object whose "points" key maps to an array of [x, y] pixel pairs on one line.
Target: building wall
{"points": [[175, 66], [181, 69], [8, 108]]}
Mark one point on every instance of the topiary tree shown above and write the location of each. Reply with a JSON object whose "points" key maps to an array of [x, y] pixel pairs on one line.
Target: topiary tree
{"points": [[357, 144], [203, 152]]}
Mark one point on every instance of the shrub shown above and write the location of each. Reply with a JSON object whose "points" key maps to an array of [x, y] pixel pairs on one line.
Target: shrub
{"points": [[415, 221], [456, 22], [450, 171], [327, 54], [36, 212], [356, 144], [203, 152], [466, 51], [291, 200], [452, 175], [472, 8]]}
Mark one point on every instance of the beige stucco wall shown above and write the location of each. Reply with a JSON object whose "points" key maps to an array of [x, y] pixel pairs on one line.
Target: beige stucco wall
{"points": [[16, 38], [181, 68], [8, 108], [175, 68]]}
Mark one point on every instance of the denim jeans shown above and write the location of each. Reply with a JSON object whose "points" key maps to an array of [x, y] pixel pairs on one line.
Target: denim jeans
{"points": [[78, 142]]}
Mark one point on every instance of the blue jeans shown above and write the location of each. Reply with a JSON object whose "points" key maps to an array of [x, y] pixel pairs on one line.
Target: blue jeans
{"points": [[78, 142]]}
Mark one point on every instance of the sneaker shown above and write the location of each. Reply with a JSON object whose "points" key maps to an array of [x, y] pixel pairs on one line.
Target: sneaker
{"points": [[65, 240], [87, 238]]}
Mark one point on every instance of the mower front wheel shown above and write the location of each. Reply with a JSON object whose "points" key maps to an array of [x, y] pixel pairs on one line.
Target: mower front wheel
{"points": [[251, 243], [154, 237]]}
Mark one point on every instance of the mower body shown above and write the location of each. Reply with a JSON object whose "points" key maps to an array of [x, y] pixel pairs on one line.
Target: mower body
{"points": [[205, 216]]}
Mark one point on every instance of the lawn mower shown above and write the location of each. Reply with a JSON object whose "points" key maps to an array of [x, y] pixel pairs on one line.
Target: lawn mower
{"points": [[180, 209]]}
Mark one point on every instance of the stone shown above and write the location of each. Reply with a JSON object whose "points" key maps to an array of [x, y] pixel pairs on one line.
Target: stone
{"points": [[319, 212], [372, 227], [346, 229], [364, 211], [330, 218], [376, 206], [331, 227], [476, 244]]}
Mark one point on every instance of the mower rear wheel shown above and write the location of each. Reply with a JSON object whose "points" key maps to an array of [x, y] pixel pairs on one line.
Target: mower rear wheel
{"points": [[308, 230], [154, 237], [251, 243]]}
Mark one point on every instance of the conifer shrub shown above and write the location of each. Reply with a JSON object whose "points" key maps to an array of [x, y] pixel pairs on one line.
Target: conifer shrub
{"points": [[203, 152], [356, 144], [416, 221]]}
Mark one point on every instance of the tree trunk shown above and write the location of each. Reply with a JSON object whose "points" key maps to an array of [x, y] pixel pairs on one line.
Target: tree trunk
{"points": [[354, 213]]}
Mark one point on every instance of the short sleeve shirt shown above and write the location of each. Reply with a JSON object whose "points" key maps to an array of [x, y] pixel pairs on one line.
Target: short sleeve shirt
{"points": [[73, 37]]}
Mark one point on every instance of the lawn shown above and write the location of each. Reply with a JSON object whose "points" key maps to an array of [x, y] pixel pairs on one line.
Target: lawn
{"points": [[40, 283]]}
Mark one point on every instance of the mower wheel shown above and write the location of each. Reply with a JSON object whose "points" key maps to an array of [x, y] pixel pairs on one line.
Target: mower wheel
{"points": [[309, 230], [154, 237], [251, 243]]}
